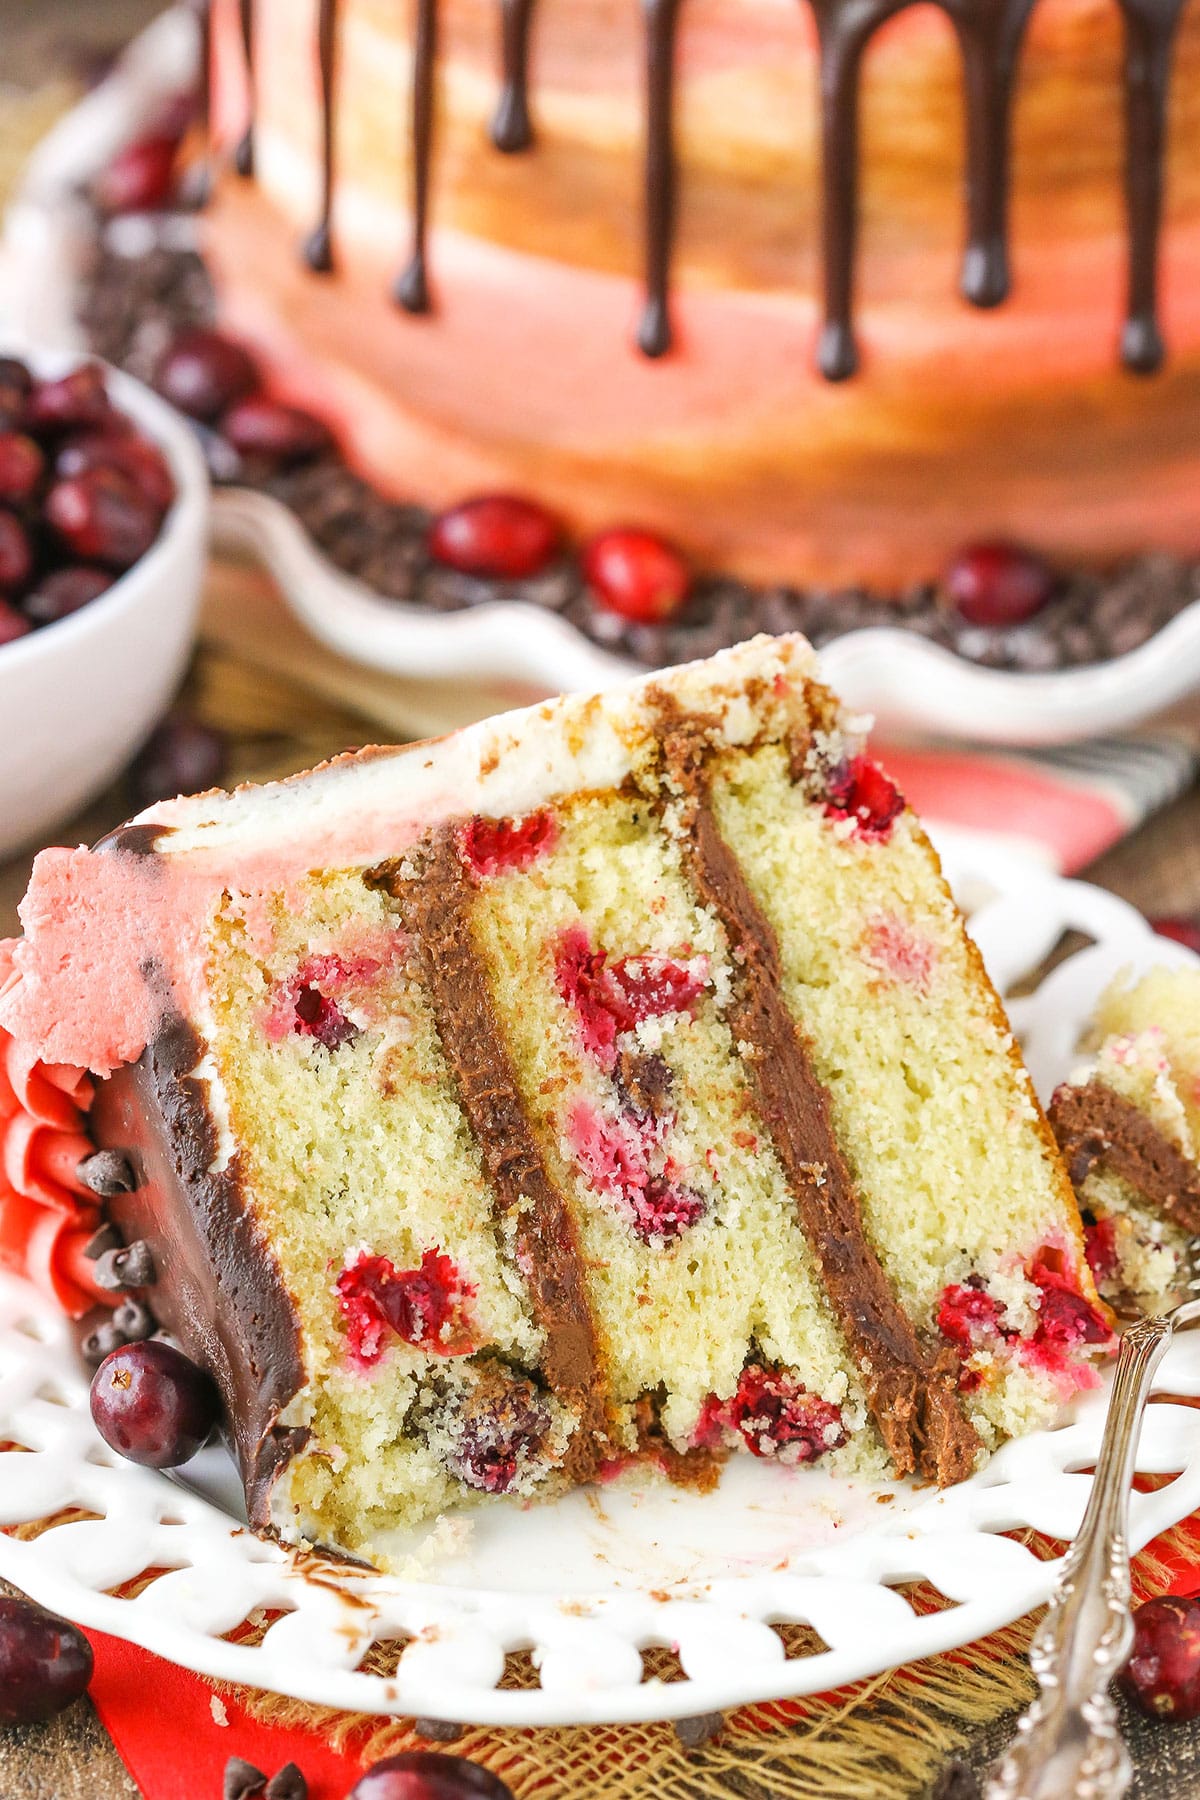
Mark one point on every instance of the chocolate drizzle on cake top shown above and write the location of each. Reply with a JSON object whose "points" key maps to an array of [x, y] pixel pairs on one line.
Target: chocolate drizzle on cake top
{"points": [[411, 290], [318, 246], [512, 128], [989, 34]]}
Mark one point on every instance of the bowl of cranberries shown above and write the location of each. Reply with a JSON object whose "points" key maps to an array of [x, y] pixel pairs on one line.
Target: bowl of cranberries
{"points": [[103, 524]]}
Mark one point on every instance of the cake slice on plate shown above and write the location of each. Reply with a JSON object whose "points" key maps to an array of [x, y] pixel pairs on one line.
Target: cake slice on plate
{"points": [[613, 1080], [1127, 1124]]}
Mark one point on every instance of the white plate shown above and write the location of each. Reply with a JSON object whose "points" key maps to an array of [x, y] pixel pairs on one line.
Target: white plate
{"points": [[902, 679], [590, 1581]]}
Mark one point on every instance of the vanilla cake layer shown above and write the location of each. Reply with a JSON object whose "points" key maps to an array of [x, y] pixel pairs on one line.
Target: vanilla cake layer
{"points": [[609, 1082]]}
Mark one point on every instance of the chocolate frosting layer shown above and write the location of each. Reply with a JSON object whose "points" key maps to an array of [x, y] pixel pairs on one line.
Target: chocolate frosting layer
{"points": [[1094, 1124], [435, 898], [911, 1394], [219, 1289]]}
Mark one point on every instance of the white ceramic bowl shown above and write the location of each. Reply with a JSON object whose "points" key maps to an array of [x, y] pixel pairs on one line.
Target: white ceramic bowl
{"points": [[77, 697]]}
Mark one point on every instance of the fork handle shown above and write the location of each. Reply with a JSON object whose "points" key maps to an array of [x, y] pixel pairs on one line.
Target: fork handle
{"points": [[1068, 1745]]}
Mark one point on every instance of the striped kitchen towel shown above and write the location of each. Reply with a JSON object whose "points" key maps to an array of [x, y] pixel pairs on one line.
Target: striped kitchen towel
{"points": [[1066, 805]]}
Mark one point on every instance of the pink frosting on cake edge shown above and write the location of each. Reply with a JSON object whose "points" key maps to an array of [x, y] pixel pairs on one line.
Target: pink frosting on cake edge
{"points": [[47, 1215]]}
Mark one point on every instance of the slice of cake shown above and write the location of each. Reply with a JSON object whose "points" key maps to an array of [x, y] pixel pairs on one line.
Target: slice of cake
{"points": [[1127, 1124], [613, 1080]]}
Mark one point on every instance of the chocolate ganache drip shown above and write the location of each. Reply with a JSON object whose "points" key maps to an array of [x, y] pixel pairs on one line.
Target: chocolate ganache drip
{"points": [[318, 248], [512, 128], [243, 156], [989, 34], [411, 290]]}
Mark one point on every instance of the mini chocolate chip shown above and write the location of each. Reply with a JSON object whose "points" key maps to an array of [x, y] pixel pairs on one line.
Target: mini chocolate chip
{"points": [[107, 1238], [134, 1321], [957, 1781], [288, 1784], [132, 1267], [242, 1780], [437, 1731], [694, 1732], [101, 1343], [107, 1173]]}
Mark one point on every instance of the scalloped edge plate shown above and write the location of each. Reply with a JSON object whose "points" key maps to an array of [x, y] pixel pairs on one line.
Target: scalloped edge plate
{"points": [[589, 1581]]}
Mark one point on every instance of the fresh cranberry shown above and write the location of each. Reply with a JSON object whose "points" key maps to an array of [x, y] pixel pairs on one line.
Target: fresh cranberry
{"points": [[1183, 931], [496, 846], [13, 624], [637, 575], [998, 584], [102, 517], [1162, 1676], [22, 466], [860, 790], [497, 535], [428, 1775], [181, 756], [64, 591], [664, 1209], [423, 1306], [76, 401], [613, 997], [1065, 1318], [268, 432], [16, 554], [1100, 1247], [967, 1315], [129, 453], [16, 385], [317, 1016], [775, 1416], [45, 1662], [152, 1405], [139, 177], [203, 372], [498, 1434]]}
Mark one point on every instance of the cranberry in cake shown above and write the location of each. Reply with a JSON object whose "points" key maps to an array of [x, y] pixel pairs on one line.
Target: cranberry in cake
{"points": [[608, 1082]]}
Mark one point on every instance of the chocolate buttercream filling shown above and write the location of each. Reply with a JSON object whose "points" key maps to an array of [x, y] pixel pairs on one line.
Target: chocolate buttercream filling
{"points": [[1094, 1124], [911, 1394], [435, 899]]}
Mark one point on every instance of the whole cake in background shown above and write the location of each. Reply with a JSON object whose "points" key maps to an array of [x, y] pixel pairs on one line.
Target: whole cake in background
{"points": [[626, 261], [605, 1083]]}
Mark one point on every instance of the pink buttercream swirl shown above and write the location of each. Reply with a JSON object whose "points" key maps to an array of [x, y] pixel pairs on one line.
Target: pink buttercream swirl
{"points": [[47, 1215]]}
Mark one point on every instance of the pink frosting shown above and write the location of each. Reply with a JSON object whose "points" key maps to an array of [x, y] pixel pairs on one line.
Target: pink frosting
{"points": [[47, 1215]]}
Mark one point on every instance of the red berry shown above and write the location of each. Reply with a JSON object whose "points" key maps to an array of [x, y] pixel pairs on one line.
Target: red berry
{"points": [[16, 385], [129, 453], [153, 1405], [45, 1662], [998, 584], [495, 846], [428, 1775], [22, 466], [13, 624], [181, 756], [967, 1315], [499, 1435], [860, 790], [776, 1416], [1162, 1676], [637, 575], [16, 554], [1183, 931], [64, 591], [76, 401], [1100, 1248], [202, 372], [497, 535], [423, 1306], [613, 997], [267, 431], [102, 517], [139, 177], [663, 1208]]}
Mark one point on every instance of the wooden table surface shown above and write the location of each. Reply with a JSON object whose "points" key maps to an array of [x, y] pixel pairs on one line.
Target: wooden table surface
{"points": [[1158, 869]]}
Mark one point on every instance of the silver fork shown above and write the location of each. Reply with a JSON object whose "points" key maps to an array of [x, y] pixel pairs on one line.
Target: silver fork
{"points": [[1068, 1745]]}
